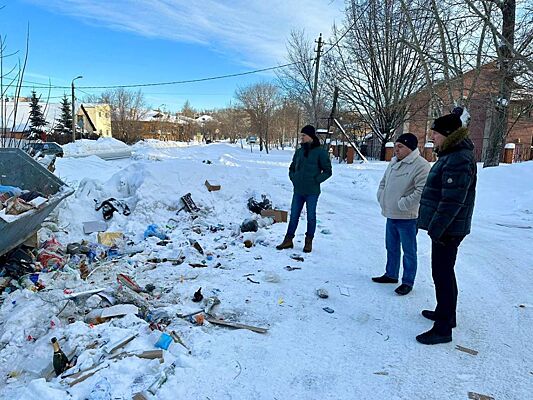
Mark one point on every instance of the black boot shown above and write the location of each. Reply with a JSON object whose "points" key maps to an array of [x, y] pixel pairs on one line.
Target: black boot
{"points": [[286, 244], [433, 337], [384, 279], [431, 316], [403, 289]]}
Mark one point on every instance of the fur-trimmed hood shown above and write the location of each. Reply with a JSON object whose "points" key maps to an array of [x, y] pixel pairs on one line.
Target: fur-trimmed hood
{"points": [[459, 138]]}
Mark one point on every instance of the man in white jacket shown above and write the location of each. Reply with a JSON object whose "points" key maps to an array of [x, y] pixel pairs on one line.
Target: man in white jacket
{"points": [[399, 197]]}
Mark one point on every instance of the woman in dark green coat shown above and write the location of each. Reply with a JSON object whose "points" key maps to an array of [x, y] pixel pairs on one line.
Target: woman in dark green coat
{"points": [[309, 168]]}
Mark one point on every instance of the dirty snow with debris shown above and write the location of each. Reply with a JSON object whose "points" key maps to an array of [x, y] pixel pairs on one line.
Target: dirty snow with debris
{"points": [[366, 349]]}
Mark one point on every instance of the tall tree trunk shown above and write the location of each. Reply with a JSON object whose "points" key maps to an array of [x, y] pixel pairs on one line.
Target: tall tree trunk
{"points": [[500, 116]]}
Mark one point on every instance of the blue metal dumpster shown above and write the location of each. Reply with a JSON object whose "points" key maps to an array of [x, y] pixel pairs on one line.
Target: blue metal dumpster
{"points": [[19, 169]]}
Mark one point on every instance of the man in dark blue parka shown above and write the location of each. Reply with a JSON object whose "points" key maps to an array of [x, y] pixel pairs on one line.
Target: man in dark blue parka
{"points": [[446, 208]]}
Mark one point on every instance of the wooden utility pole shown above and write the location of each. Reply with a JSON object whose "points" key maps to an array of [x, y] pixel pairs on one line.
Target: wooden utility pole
{"points": [[315, 84]]}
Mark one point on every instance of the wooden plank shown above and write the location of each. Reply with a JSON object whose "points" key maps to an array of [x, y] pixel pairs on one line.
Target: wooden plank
{"points": [[86, 376], [466, 350], [236, 325]]}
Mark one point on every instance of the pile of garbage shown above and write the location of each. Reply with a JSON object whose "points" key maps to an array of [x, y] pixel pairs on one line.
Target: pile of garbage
{"points": [[103, 300], [15, 201]]}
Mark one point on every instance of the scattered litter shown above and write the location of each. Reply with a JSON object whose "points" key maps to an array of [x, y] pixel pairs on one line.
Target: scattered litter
{"points": [[178, 339], [325, 232], [248, 244], [110, 206], [164, 341], [127, 281], [119, 310], [210, 304], [257, 206], [289, 268], [236, 325], [197, 265], [328, 310], [322, 293], [188, 204], [466, 350], [251, 280], [60, 361], [155, 230], [249, 225], [384, 373], [477, 396], [212, 187], [197, 246], [111, 347], [198, 297], [162, 378], [344, 290], [94, 226], [110, 238], [297, 257], [276, 215]]}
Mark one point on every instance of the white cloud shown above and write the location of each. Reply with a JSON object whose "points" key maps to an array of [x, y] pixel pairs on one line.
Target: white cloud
{"points": [[253, 32]]}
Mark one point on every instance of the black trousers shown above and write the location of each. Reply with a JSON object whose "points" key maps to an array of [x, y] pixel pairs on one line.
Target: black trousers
{"points": [[443, 256]]}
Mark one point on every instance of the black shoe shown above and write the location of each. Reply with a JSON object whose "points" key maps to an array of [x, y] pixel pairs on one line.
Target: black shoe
{"points": [[403, 289], [431, 316], [384, 279], [433, 337]]}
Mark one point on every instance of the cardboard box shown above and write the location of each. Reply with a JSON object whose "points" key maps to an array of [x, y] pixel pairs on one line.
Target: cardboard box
{"points": [[277, 215], [212, 187], [110, 238]]}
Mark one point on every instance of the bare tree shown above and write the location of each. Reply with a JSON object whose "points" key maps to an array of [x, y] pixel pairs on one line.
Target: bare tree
{"points": [[477, 35], [297, 79], [7, 137], [260, 101], [234, 122], [513, 45], [128, 108], [376, 69]]}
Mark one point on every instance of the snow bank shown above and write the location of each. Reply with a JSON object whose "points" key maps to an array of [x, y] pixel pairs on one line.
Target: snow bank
{"points": [[85, 147]]}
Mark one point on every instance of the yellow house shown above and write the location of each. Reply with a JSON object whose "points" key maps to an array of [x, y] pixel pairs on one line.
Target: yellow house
{"points": [[95, 118]]}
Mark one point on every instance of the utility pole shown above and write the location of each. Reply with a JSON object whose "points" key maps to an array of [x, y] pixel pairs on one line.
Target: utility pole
{"points": [[74, 110], [315, 84]]}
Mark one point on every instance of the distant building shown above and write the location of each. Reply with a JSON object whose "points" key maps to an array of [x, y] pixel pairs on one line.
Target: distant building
{"points": [[95, 119]]}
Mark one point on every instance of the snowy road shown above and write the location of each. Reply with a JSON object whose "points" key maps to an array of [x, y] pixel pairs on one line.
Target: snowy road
{"points": [[366, 349]]}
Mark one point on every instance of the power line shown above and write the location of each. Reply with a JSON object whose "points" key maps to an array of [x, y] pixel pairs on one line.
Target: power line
{"points": [[212, 78]]}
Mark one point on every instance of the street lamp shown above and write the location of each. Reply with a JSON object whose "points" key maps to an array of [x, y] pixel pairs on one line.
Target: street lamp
{"points": [[74, 110]]}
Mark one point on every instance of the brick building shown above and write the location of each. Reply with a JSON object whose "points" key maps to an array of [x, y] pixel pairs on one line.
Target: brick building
{"points": [[480, 107]]}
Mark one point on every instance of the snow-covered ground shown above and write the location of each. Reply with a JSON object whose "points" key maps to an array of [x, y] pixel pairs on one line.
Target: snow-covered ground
{"points": [[366, 349], [106, 148]]}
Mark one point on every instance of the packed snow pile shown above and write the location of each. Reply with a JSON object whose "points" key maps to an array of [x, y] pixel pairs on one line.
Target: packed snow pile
{"points": [[158, 279], [102, 146]]}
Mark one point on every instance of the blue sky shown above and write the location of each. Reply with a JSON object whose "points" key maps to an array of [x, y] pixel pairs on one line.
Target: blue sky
{"points": [[114, 42]]}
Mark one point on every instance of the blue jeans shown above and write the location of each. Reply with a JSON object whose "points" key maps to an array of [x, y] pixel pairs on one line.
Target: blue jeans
{"points": [[401, 231], [298, 201]]}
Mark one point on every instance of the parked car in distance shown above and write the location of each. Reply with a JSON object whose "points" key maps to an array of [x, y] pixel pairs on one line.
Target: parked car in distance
{"points": [[46, 148], [251, 139]]}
